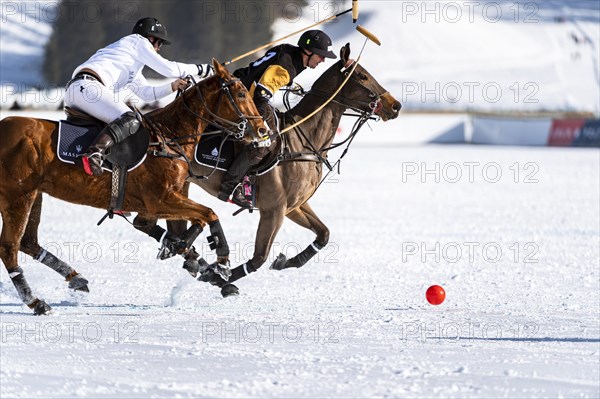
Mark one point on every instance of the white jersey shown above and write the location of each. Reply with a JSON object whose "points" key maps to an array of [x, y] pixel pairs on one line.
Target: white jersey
{"points": [[120, 64]]}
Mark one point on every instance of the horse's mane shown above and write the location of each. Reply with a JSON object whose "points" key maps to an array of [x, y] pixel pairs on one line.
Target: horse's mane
{"points": [[324, 83], [325, 79]]}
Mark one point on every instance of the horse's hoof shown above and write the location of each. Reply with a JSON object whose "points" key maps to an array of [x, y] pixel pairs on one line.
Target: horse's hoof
{"points": [[195, 266], [40, 307], [279, 263], [207, 276], [84, 288], [229, 290], [79, 283], [212, 278], [192, 267]]}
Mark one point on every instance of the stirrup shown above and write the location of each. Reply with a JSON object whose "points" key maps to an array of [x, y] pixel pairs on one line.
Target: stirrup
{"points": [[89, 165], [238, 198]]}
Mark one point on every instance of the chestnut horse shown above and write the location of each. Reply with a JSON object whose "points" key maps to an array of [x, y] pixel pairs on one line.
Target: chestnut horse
{"points": [[29, 167], [285, 190]]}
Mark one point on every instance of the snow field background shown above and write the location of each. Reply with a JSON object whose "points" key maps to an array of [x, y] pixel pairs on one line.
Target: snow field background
{"points": [[355, 322]]}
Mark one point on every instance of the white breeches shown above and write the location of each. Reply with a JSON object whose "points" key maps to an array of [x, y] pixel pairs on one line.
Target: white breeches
{"points": [[94, 98]]}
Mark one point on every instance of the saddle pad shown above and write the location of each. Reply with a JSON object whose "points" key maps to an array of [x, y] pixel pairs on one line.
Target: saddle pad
{"points": [[73, 141], [207, 152]]}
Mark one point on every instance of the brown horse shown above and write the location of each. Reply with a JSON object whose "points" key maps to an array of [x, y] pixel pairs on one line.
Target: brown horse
{"points": [[285, 190], [29, 167]]}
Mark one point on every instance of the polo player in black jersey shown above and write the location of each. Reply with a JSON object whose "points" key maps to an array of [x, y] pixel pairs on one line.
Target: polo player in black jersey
{"points": [[263, 77]]}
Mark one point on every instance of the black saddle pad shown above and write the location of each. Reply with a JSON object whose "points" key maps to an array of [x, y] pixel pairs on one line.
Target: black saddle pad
{"points": [[73, 141], [211, 151]]}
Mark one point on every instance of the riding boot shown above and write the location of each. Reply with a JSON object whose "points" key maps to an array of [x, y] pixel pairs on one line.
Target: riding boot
{"points": [[230, 186], [115, 132], [93, 158]]}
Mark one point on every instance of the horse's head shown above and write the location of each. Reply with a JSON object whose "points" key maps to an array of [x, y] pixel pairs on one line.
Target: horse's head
{"points": [[362, 92], [229, 105]]}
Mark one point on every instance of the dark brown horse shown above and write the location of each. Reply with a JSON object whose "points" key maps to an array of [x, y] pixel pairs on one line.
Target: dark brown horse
{"points": [[285, 190], [29, 167]]}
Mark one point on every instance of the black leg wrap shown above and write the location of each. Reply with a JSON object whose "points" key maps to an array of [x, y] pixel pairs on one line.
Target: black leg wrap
{"points": [[236, 274], [21, 285], [304, 256], [297, 261], [241, 271], [190, 235], [172, 245], [217, 239], [54, 263], [157, 233]]}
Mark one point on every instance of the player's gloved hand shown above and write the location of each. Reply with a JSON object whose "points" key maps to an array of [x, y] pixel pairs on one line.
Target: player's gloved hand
{"points": [[205, 70], [179, 84]]}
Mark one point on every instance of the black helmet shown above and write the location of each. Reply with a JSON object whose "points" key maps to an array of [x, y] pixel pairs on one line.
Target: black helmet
{"points": [[151, 27], [318, 42]]}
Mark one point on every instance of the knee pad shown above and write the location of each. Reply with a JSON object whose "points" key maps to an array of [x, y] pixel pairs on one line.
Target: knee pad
{"points": [[124, 126]]}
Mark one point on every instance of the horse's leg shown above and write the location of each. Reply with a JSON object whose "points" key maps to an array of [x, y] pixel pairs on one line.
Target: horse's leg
{"points": [[305, 217], [178, 227], [30, 246], [176, 243], [14, 220], [269, 225], [176, 206]]}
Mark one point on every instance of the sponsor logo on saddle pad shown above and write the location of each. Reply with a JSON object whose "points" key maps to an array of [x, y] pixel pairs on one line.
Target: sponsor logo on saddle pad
{"points": [[73, 141], [212, 152]]}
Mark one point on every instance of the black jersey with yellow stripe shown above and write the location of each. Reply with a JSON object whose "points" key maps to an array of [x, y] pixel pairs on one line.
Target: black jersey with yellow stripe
{"points": [[277, 68]]}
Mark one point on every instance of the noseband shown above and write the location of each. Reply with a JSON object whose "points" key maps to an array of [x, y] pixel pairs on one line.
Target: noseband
{"points": [[235, 129], [374, 106]]}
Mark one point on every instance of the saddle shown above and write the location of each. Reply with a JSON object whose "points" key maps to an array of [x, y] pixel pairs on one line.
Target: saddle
{"points": [[77, 132], [218, 150]]}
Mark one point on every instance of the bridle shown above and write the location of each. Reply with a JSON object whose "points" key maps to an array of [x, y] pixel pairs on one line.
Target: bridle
{"points": [[236, 129], [365, 110], [359, 106]]}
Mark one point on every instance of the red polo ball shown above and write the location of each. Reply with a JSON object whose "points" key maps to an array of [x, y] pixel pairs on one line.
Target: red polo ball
{"points": [[435, 295]]}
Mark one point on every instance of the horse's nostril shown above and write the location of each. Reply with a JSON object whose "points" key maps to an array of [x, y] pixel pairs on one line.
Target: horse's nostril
{"points": [[397, 106], [262, 131]]}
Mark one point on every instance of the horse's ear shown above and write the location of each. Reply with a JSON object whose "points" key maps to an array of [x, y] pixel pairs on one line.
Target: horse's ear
{"points": [[220, 69], [345, 53]]}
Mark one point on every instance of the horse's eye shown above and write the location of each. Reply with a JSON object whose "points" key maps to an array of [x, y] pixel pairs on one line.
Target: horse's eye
{"points": [[362, 76], [242, 95]]}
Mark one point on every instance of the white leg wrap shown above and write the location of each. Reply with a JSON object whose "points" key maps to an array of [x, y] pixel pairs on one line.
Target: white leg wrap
{"points": [[312, 244], [163, 236], [42, 255], [246, 268], [14, 274]]}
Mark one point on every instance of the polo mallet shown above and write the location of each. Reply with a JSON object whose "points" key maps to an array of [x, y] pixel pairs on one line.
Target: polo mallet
{"points": [[354, 10], [368, 36]]}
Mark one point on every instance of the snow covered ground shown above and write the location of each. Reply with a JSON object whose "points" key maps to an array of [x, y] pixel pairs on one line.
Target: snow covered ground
{"points": [[511, 233]]}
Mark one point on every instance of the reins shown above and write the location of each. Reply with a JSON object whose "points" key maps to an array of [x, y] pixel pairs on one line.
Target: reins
{"points": [[363, 117]]}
